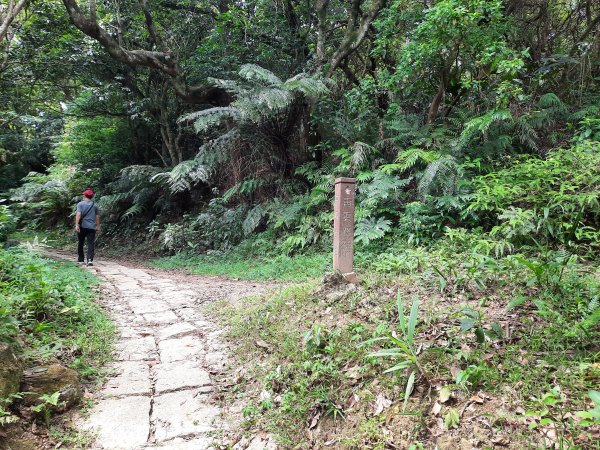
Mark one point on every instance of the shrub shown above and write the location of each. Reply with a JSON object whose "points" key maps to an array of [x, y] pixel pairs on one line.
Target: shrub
{"points": [[543, 201], [7, 223]]}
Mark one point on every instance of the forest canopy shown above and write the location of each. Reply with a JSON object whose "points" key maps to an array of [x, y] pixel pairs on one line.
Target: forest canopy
{"points": [[249, 109]]}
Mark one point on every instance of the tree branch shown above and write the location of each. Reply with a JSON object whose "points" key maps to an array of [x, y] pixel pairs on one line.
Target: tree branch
{"points": [[321, 10], [163, 61], [11, 14], [356, 31]]}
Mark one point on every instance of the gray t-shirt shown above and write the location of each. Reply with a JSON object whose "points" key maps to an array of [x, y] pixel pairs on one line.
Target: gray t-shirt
{"points": [[88, 214]]}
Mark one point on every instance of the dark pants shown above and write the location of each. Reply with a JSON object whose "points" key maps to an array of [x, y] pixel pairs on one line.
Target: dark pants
{"points": [[90, 234]]}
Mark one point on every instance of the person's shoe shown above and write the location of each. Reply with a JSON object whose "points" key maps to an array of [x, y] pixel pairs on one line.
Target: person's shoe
{"points": [[90, 263], [80, 262]]}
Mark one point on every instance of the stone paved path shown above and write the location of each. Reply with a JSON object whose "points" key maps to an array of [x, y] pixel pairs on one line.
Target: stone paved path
{"points": [[168, 352]]}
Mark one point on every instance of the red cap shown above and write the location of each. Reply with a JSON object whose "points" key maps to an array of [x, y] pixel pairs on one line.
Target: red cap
{"points": [[88, 193]]}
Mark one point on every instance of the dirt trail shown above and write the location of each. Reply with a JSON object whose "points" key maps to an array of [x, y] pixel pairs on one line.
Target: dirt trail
{"points": [[166, 361]]}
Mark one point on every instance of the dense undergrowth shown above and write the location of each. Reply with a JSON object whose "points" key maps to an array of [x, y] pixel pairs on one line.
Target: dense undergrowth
{"points": [[48, 311], [500, 357], [48, 315]]}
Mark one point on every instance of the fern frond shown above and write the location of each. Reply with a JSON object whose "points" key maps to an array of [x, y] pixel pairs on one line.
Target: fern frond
{"points": [[135, 209], [360, 153], [479, 126], [551, 100], [205, 119], [309, 86], [372, 228], [262, 103], [253, 218], [252, 72], [184, 175], [409, 158], [439, 177]]}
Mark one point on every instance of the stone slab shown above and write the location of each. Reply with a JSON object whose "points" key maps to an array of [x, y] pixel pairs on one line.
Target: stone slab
{"points": [[189, 313], [185, 348], [183, 413], [164, 317], [195, 443], [132, 378], [121, 424], [180, 374], [136, 349], [147, 305], [216, 361], [177, 299], [176, 330]]}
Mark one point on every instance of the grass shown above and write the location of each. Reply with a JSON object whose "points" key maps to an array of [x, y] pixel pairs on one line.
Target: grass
{"points": [[530, 379], [49, 315], [58, 238], [49, 312], [232, 265]]}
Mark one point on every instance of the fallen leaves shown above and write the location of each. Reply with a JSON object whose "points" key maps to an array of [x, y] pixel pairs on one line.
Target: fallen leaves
{"points": [[381, 403], [445, 394], [451, 419], [262, 344]]}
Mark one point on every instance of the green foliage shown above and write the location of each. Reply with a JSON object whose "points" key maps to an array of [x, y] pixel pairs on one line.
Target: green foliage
{"points": [[95, 148], [43, 200], [7, 223], [403, 348], [371, 229], [591, 417], [6, 416], [550, 200], [45, 406], [251, 263], [48, 308], [135, 195]]}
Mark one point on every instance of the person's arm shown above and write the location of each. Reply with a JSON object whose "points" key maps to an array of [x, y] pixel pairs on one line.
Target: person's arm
{"points": [[77, 218], [97, 222]]}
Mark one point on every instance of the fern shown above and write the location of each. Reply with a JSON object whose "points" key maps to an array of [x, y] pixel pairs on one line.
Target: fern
{"points": [[440, 177], [134, 192], [370, 229], [479, 126], [253, 218], [184, 175], [309, 86], [252, 72], [245, 187], [551, 101], [266, 114], [411, 157], [133, 210], [204, 120]]}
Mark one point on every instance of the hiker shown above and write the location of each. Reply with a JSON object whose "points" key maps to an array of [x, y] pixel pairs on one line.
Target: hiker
{"points": [[87, 223]]}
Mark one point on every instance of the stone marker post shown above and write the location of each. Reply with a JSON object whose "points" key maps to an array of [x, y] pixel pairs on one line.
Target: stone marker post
{"points": [[343, 227]]}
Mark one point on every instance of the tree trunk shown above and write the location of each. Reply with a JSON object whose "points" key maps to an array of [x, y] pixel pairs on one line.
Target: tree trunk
{"points": [[437, 100]]}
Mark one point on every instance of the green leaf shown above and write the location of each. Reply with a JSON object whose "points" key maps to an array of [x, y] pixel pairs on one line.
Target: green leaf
{"points": [[466, 324], [412, 321], [402, 365], [480, 334], [401, 317], [497, 329], [518, 301], [452, 419], [409, 388], [595, 396]]}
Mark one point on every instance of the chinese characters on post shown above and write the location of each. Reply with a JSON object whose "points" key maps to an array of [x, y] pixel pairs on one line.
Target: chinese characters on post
{"points": [[343, 225]]}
